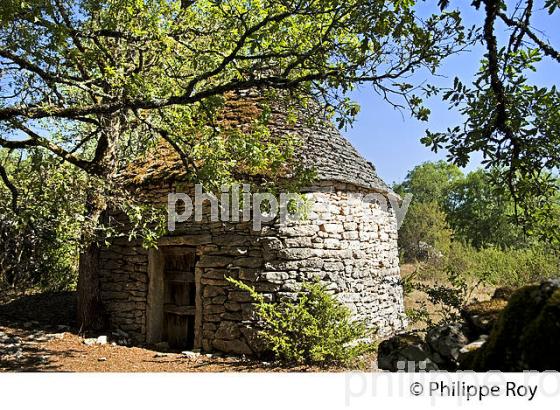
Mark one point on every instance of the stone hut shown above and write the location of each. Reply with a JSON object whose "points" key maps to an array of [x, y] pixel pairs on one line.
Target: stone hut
{"points": [[178, 293]]}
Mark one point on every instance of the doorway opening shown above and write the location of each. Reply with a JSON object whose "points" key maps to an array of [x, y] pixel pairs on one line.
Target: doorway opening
{"points": [[173, 314], [179, 299]]}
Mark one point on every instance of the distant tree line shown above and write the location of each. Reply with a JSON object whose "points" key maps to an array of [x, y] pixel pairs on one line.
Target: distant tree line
{"points": [[465, 223]]}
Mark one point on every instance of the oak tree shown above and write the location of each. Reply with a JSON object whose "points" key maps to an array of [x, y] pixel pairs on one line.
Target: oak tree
{"points": [[94, 82]]}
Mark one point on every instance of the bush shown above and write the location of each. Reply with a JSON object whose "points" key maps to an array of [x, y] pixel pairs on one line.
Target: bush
{"points": [[448, 283], [313, 329], [494, 266], [35, 255], [39, 237], [447, 296], [425, 233], [509, 267], [525, 266]]}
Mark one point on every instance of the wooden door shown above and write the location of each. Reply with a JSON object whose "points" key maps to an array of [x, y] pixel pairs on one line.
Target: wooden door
{"points": [[179, 297]]}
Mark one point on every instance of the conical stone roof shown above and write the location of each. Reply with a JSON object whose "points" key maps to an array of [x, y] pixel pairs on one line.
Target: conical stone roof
{"points": [[322, 148]]}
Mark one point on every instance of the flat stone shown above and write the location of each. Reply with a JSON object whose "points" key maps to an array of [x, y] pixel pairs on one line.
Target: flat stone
{"points": [[212, 291], [186, 240], [211, 261], [214, 309], [477, 344], [232, 346], [249, 262], [240, 296], [160, 355], [102, 340], [303, 230], [275, 277], [215, 273], [189, 354], [331, 228], [228, 331]]}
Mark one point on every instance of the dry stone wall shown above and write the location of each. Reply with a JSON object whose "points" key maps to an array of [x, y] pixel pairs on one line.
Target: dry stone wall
{"points": [[349, 244], [124, 286]]}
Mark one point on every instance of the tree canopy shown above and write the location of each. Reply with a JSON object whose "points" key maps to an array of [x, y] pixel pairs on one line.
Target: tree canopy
{"points": [[429, 181], [93, 82], [90, 81], [90, 85]]}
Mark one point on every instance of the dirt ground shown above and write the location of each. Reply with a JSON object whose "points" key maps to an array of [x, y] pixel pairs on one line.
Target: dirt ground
{"points": [[66, 352], [37, 333]]}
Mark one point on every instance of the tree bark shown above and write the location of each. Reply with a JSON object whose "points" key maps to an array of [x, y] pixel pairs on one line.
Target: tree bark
{"points": [[90, 312]]}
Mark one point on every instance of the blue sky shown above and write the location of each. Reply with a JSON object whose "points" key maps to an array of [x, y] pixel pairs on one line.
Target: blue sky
{"points": [[391, 139]]}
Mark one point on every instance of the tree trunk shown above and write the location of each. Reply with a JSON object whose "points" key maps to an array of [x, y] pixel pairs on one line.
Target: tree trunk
{"points": [[90, 311]]}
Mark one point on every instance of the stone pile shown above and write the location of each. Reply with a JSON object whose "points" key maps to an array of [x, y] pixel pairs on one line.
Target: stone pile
{"points": [[517, 334], [14, 347]]}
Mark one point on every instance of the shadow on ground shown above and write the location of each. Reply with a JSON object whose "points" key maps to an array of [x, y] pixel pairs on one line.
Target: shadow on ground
{"points": [[27, 323], [52, 308]]}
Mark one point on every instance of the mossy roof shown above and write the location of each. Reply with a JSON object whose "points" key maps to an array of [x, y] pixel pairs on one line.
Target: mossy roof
{"points": [[322, 148]]}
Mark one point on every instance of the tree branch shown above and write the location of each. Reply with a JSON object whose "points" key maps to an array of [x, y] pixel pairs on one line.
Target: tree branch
{"points": [[37, 140], [501, 123], [547, 49], [73, 112], [11, 187]]}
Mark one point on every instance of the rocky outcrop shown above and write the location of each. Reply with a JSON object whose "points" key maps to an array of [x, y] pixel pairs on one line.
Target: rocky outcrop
{"points": [[480, 317], [514, 331], [405, 352], [445, 343], [503, 293], [515, 335], [526, 334], [439, 349]]}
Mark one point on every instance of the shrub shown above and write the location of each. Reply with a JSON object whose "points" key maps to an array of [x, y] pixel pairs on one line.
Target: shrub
{"points": [[314, 328], [450, 281], [39, 236], [424, 233], [519, 267], [35, 255], [447, 296], [494, 266]]}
